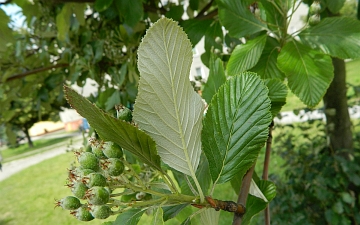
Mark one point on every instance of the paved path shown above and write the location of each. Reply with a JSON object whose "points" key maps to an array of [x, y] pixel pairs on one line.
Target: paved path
{"points": [[10, 168]]}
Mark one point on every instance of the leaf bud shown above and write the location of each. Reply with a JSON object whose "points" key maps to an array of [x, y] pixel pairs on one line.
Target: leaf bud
{"points": [[218, 40]]}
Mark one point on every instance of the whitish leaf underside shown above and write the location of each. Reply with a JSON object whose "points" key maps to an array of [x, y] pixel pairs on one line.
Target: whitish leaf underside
{"points": [[167, 108]]}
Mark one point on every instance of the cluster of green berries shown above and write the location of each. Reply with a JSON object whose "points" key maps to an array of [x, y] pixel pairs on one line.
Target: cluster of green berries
{"points": [[101, 177], [99, 165], [314, 13]]}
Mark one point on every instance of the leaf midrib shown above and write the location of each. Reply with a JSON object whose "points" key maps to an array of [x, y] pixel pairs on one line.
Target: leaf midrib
{"points": [[184, 147]]}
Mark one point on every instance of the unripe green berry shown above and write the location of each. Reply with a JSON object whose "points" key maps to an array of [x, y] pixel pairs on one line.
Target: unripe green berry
{"points": [[123, 113], [95, 179], [97, 195], [112, 150], [218, 40], [83, 214], [113, 166], [100, 211], [142, 196], [88, 160], [69, 203], [314, 19], [83, 172], [79, 190], [98, 152], [315, 8], [217, 51]]}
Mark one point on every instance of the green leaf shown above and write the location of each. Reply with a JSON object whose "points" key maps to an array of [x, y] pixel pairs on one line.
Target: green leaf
{"points": [[267, 64], [255, 191], [273, 15], [236, 126], [255, 205], [111, 129], [347, 198], [210, 217], [336, 36], [98, 48], [102, 5], [175, 12], [113, 100], [167, 108], [214, 31], [172, 211], [118, 76], [215, 80], [129, 217], [203, 176], [334, 6], [195, 29], [277, 95], [237, 18], [332, 217], [79, 10], [158, 217], [63, 21], [309, 72], [246, 56], [5, 32], [132, 11], [194, 4], [187, 221]]}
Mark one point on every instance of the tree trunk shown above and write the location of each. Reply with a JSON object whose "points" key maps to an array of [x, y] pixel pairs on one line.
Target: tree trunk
{"points": [[336, 110], [26, 131]]}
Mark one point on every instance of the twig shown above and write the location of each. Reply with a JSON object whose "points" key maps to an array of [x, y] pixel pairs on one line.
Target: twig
{"points": [[38, 70], [266, 168], [244, 191], [267, 153], [202, 12], [210, 15]]}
